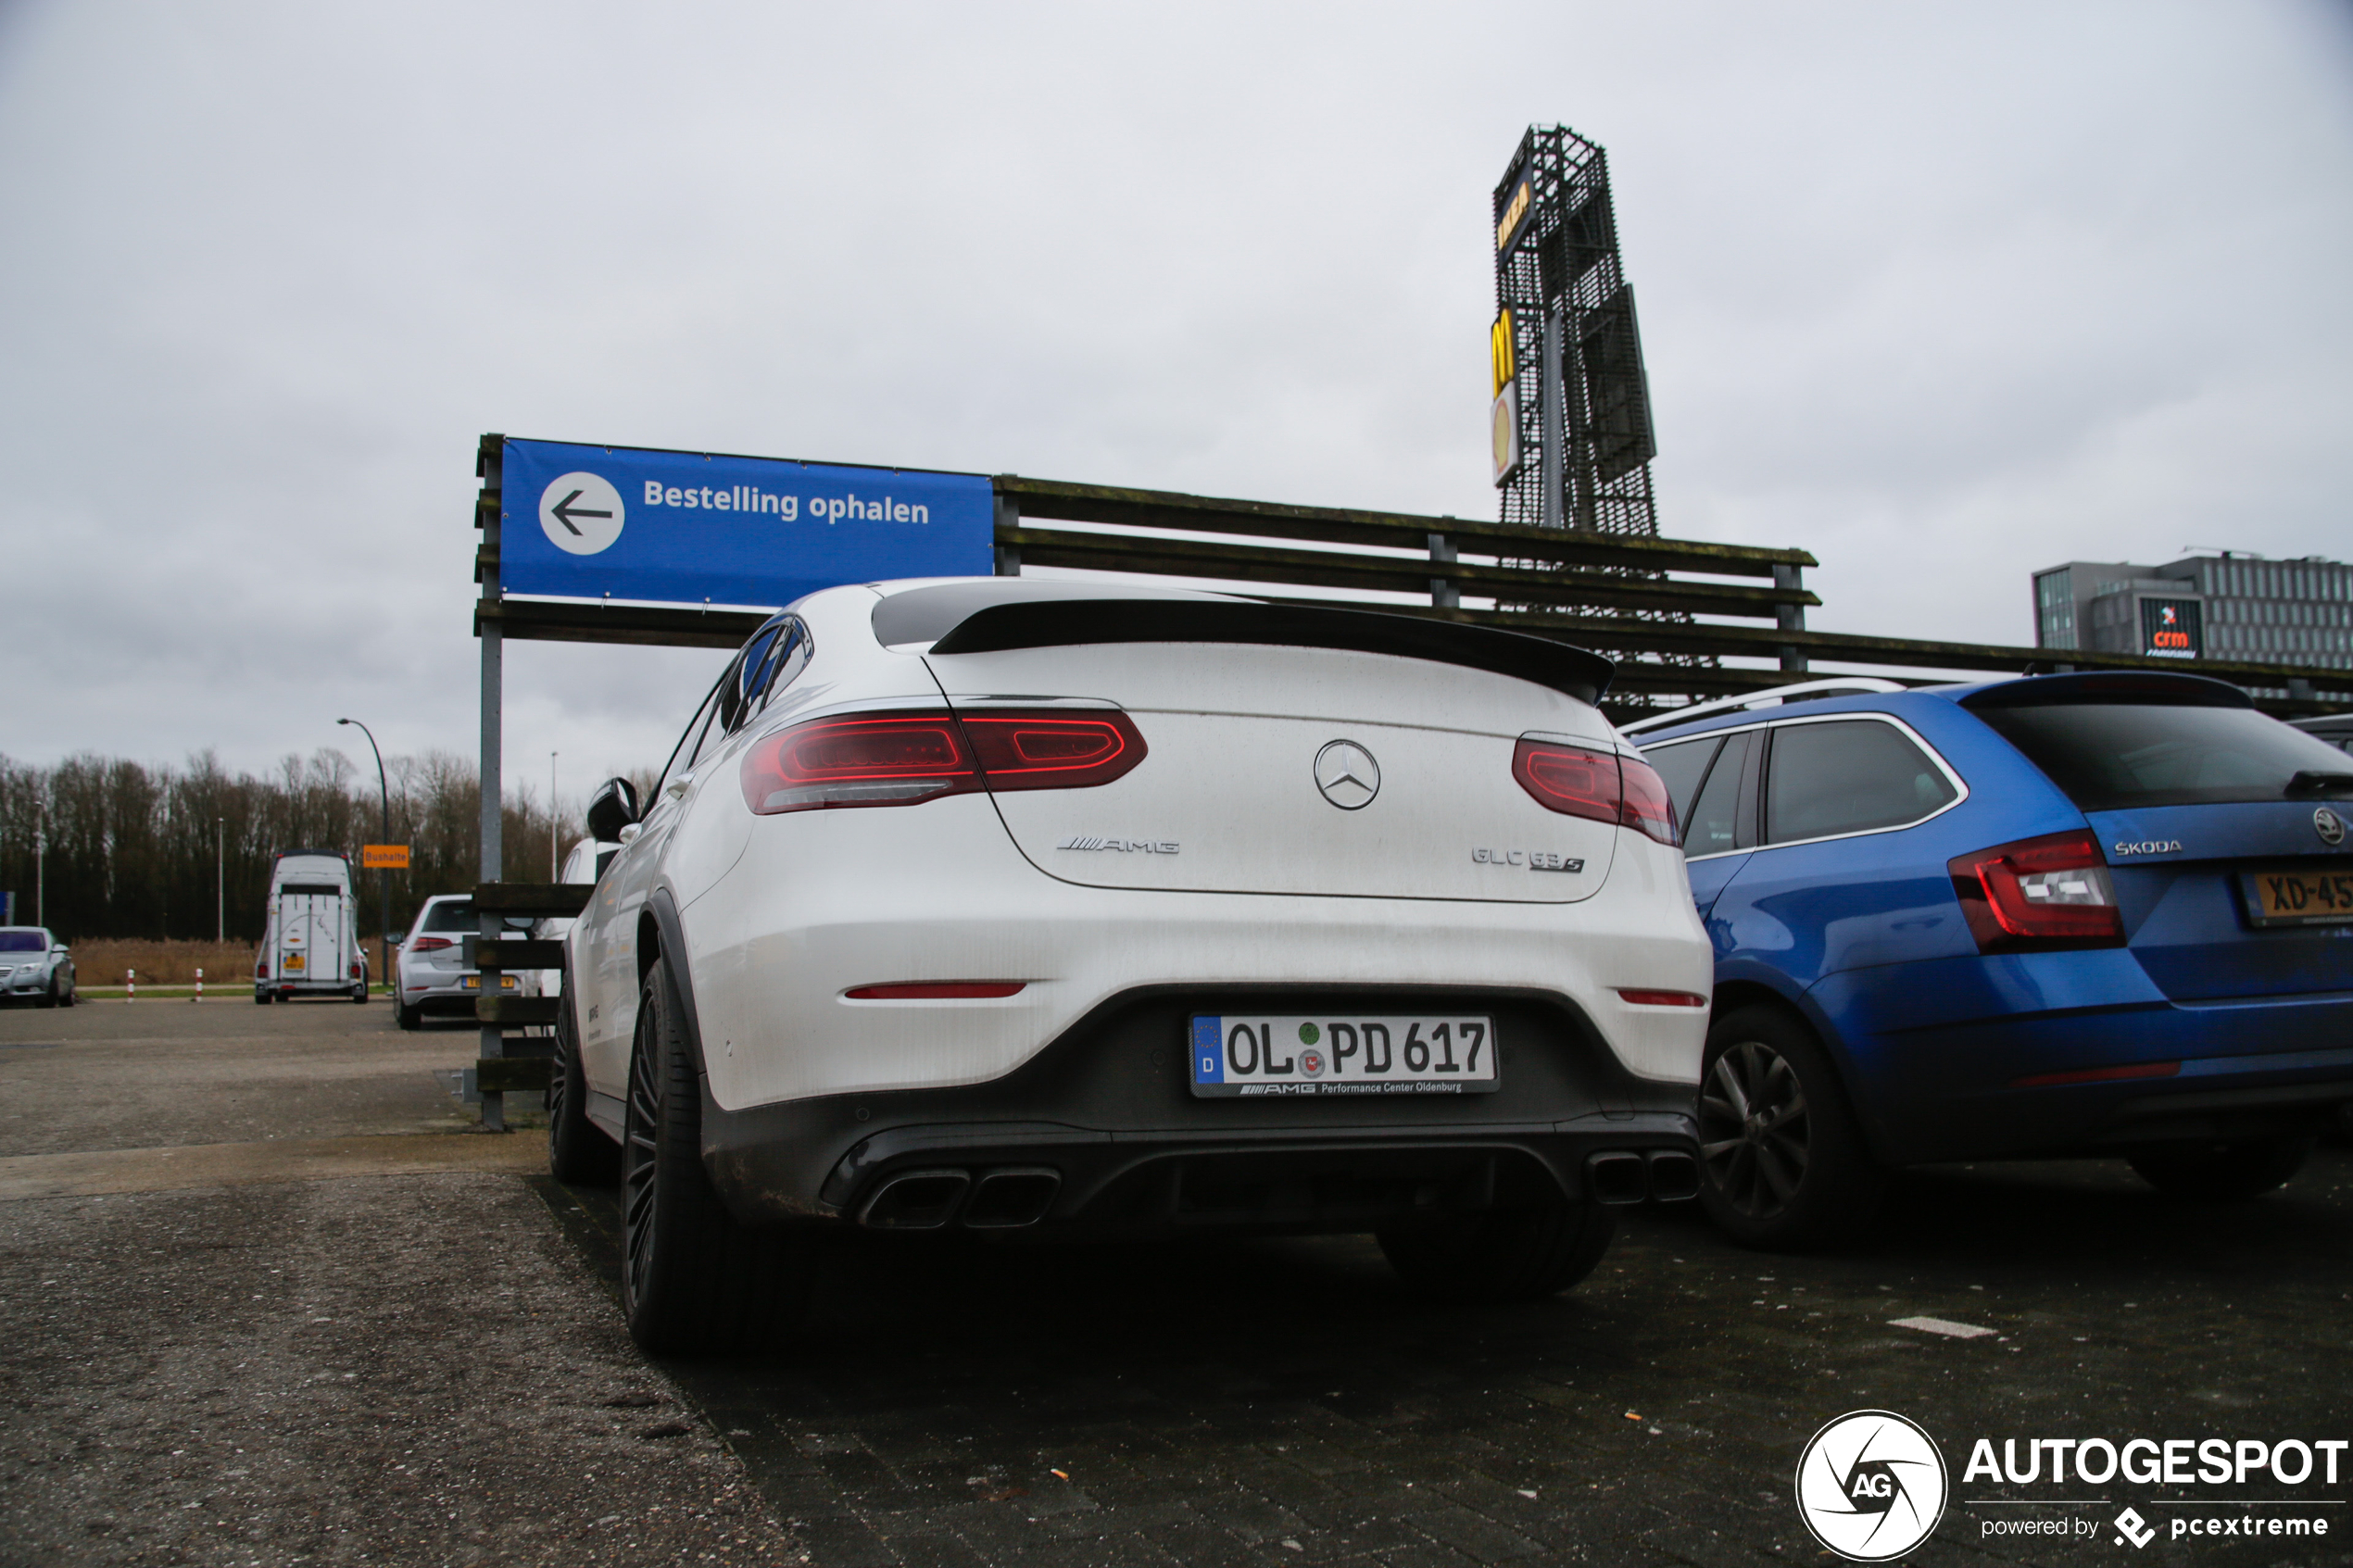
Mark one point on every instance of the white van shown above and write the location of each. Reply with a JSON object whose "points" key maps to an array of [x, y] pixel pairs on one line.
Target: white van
{"points": [[311, 947]]}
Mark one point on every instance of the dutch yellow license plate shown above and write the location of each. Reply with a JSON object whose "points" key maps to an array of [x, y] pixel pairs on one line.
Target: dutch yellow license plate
{"points": [[2300, 896], [505, 983], [294, 961]]}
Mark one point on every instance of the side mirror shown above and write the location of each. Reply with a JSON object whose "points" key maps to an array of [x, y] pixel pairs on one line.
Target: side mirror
{"points": [[612, 808]]}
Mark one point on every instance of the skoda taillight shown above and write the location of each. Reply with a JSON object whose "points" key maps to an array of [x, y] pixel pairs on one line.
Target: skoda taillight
{"points": [[2039, 894], [903, 758], [1601, 786]]}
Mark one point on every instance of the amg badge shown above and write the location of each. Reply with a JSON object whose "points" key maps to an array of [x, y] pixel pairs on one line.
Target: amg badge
{"points": [[1125, 846]]}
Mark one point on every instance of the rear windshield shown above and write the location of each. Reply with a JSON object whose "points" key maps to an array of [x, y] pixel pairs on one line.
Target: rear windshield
{"points": [[457, 915], [22, 942], [2114, 757], [311, 890]]}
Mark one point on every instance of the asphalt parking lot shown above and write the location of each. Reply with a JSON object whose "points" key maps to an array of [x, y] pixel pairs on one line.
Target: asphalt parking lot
{"points": [[269, 1300]]}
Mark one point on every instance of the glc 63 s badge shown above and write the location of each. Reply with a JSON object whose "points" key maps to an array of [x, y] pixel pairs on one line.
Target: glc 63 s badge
{"points": [[1534, 860]]}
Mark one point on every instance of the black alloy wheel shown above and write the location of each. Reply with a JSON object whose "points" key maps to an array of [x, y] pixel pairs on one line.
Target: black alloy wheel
{"points": [[578, 1152], [1753, 1129], [693, 1281], [1782, 1159]]}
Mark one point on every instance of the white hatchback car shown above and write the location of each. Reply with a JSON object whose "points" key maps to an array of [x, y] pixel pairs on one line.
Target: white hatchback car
{"points": [[1011, 907]]}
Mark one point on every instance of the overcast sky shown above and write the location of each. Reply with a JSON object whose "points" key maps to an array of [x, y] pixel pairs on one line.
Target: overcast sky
{"points": [[1940, 294]]}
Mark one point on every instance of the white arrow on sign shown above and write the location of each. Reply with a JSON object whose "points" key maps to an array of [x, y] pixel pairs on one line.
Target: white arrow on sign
{"points": [[581, 514]]}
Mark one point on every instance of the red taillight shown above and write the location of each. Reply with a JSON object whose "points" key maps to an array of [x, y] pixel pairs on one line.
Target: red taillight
{"points": [[2039, 894], [355, 969], [901, 758], [1647, 807], [261, 969], [934, 990], [1661, 998], [430, 944], [1578, 782]]}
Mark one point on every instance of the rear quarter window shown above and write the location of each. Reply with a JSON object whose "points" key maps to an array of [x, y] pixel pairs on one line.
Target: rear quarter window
{"points": [[1848, 775], [2118, 757]]}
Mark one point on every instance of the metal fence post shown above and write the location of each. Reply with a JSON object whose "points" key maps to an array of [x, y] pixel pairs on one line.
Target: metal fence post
{"points": [[1790, 618], [1442, 592], [486, 514], [1008, 522]]}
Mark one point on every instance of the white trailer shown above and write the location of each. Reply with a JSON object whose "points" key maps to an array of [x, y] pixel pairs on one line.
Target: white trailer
{"points": [[311, 947]]}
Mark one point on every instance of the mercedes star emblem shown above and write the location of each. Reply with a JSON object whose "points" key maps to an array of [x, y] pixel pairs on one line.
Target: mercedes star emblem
{"points": [[1347, 775], [2327, 824]]}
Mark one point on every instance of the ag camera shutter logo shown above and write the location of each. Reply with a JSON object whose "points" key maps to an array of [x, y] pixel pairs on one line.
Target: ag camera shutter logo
{"points": [[1871, 1485]]}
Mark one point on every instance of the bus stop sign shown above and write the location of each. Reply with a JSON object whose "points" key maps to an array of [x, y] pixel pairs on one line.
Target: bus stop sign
{"points": [[693, 528]]}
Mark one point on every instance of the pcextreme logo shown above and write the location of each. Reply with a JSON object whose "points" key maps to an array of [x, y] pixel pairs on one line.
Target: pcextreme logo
{"points": [[1871, 1485]]}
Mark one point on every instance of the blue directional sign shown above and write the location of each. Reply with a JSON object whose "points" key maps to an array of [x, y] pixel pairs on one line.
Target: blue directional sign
{"points": [[689, 527]]}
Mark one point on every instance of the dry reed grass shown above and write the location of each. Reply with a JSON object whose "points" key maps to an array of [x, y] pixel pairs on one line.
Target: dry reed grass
{"points": [[102, 960]]}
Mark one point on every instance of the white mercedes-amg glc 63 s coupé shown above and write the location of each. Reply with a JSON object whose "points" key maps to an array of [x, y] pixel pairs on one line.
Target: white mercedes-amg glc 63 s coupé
{"points": [[1027, 907]]}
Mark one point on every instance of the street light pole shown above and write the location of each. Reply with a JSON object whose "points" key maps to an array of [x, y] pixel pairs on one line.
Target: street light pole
{"points": [[40, 870], [383, 873], [220, 880], [554, 870]]}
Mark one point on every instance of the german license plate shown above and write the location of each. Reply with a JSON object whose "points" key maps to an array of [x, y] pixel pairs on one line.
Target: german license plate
{"points": [[474, 983], [2300, 896], [1298, 1054]]}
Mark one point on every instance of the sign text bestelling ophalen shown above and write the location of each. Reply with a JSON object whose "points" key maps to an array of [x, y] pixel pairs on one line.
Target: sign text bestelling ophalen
{"points": [[749, 499]]}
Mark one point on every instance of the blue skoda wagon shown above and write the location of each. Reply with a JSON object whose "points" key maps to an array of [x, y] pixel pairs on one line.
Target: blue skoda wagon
{"points": [[2063, 915]]}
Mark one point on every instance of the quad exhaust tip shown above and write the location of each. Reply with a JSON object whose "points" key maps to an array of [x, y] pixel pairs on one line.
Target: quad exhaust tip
{"points": [[916, 1200], [1007, 1199], [1674, 1175], [1624, 1176], [1617, 1177]]}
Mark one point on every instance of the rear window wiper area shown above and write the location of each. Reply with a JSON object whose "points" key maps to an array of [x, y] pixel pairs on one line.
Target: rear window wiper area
{"points": [[2311, 781]]}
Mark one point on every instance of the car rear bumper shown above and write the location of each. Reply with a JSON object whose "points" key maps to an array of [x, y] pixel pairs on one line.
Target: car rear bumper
{"points": [[2088, 1079], [1100, 1135]]}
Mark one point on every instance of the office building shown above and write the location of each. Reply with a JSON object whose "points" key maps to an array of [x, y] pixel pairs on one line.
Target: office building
{"points": [[2228, 606]]}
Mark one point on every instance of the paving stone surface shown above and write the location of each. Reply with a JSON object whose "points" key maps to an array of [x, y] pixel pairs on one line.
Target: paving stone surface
{"points": [[1284, 1402]]}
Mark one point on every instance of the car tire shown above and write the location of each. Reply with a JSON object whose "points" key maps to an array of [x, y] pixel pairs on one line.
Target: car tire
{"points": [[262, 999], [2221, 1173], [1504, 1255], [360, 992], [406, 1016], [48, 997], [1783, 1163], [70, 996], [578, 1152], [693, 1282]]}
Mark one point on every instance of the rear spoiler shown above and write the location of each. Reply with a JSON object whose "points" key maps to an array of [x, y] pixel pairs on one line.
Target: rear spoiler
{"points": [[1065, 623], [2110, 686]]}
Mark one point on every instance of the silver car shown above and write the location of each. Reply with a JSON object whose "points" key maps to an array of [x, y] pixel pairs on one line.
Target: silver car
{"points": [[35, 967], [433, 974]]}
